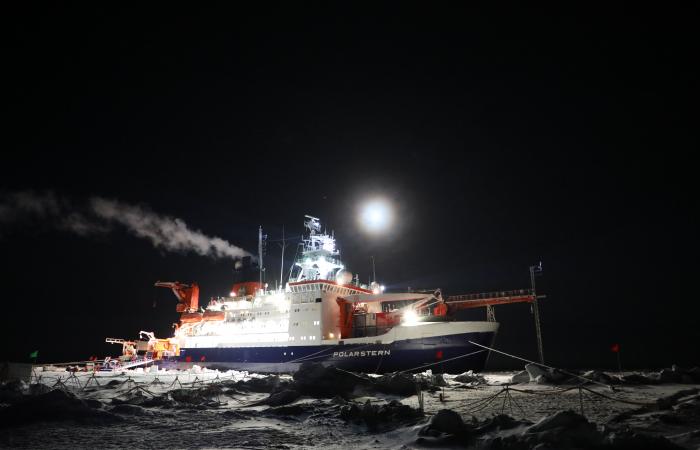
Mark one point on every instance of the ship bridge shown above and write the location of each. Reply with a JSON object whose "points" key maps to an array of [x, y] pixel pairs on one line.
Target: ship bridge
{"points": [[320, 258]]}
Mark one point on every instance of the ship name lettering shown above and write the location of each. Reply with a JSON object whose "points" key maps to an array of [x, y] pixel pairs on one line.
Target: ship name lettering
{"points": [[361, 353]]}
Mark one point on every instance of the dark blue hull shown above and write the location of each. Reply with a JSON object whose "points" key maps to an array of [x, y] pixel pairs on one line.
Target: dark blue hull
{"points": [[447, 354]]}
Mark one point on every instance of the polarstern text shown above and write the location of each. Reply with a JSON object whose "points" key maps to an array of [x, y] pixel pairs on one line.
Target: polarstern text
{"points": [[362, 353]]}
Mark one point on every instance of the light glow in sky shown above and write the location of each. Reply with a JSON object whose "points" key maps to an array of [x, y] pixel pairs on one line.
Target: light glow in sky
{"points": [[376, 215]]}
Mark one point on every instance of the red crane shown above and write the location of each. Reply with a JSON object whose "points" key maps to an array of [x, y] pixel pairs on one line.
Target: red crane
{"points": [[187, 295], [457, 302]]}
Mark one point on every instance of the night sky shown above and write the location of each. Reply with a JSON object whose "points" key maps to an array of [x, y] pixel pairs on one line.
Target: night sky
{"points": [[501, 138]]}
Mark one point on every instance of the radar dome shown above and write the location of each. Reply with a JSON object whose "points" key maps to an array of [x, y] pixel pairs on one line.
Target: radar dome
{"points": [[343, 277]]}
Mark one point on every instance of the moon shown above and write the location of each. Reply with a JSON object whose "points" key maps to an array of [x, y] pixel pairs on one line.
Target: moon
{"points": [[376, 215]]}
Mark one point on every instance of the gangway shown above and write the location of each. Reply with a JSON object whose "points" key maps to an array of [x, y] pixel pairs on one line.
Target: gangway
{"points": [[112, 364], [138, 363]]}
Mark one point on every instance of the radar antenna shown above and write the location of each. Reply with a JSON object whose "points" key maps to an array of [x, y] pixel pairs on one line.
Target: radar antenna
{"points": [[313, 224]]}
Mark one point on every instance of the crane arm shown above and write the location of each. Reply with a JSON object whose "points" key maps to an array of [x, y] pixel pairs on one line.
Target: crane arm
{"points": [[489, 299], [187, 295], [177, 287]]}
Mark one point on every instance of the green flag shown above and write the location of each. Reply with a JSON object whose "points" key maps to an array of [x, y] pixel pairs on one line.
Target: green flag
{"points": [[34, 354]]}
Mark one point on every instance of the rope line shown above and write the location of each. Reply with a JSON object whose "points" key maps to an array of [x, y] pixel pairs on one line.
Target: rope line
{"points": [[544, 365], [609, 397], [442, 361]]}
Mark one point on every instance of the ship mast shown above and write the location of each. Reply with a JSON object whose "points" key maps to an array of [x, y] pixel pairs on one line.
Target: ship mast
{"points": [[260, 254], [282, 262]]}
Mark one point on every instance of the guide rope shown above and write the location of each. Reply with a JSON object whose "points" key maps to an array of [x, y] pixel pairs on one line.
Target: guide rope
{"points": [[311, 356], [548, 367], [480, 404], [441, 361]]}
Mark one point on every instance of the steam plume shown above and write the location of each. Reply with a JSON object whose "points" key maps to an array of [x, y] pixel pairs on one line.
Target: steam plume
{"points": [[163, 232], [101, 215]]}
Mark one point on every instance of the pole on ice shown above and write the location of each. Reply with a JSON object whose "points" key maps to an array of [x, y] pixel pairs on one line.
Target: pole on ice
{"points": [[534, 270]]}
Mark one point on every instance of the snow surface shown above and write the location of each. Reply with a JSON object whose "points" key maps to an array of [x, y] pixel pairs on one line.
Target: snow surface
{"points": [[233, 421]]}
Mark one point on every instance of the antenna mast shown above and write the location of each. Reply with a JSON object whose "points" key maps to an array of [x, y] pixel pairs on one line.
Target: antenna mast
{"points": [[534, 271], [284, 244], [260, 254]]}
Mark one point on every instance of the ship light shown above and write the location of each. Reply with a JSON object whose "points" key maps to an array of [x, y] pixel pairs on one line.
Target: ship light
{"points": [[281, 301], [410, 318], [325, 267], [331, 335]]}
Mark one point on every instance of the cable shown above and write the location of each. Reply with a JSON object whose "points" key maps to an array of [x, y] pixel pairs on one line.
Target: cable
{"points": [[543, 365], [443, 361]]}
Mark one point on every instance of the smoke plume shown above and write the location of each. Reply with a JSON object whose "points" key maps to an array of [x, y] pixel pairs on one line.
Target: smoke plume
{"points": [[100, 216], [163, 232]]}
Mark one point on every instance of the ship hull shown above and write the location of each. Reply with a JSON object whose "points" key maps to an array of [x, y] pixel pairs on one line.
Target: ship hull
{"points": [[445, 354]]}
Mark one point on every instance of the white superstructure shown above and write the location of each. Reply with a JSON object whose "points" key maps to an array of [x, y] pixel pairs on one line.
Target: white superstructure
{"points": [[304, 312]]}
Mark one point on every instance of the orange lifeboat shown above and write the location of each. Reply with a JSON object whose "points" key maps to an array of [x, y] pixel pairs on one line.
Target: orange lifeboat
{"points": [[214, 316], [191, 317], [248, 288]]}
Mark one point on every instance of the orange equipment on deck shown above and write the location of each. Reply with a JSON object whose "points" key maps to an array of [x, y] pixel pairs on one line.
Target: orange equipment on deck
{"points": [[193, 317], [346, 311], [214, 316], [161, 347], [245, 289], [187, 295]]}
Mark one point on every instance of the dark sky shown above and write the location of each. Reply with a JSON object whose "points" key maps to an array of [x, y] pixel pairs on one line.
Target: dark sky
{"points": [[502, 139]]}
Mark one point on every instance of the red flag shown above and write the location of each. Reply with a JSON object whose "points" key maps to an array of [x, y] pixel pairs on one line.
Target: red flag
{"points": [[615, 348], [188, 359], [203, 358]]}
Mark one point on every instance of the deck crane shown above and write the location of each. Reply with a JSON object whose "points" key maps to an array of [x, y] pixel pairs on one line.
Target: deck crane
{"points": [[489, 299], [187, 295]]}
